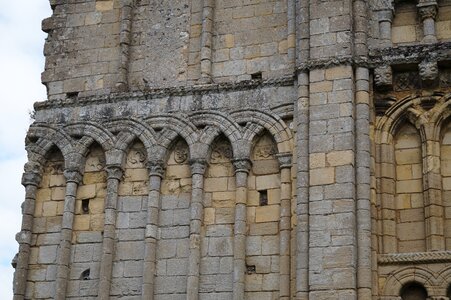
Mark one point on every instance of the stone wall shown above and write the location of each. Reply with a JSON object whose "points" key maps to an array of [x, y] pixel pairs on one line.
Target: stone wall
{"points": [[245, 149]]}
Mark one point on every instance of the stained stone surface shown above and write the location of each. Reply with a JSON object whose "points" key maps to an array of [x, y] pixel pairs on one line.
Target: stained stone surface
{"points": [[240, 149]]}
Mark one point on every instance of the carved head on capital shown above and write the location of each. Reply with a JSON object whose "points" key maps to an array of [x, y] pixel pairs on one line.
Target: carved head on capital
{"points": [[428, 70], [383, 77]]}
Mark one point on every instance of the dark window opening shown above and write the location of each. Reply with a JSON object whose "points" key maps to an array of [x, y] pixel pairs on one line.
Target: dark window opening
{"points": [[72, 95], [85, 274], [85, 206], [263, 198], [257, 76], [250, 269], [413, 291]]}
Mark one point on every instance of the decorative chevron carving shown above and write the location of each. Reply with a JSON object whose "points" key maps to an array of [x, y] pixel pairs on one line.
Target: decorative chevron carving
{"points": [[414, 258]]}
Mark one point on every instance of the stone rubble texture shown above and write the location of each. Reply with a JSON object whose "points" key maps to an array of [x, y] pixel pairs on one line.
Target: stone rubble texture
{"points": [[240, 149]]}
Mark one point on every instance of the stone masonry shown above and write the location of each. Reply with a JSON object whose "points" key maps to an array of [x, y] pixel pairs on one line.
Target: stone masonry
{"points": [[240, 149]]}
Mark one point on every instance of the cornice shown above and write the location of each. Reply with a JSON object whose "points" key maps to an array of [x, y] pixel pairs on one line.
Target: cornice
{"points": [[154, 93]]}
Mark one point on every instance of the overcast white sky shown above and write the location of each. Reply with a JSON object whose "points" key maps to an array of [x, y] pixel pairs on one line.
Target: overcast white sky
{"points": [[21, 63]]}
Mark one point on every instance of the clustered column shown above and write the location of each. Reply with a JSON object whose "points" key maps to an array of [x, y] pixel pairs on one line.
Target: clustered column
{"points": [[109, 232], [30, 180], [73, 179], [156, 171], [198, 167], [285, 224], [242, 168]]}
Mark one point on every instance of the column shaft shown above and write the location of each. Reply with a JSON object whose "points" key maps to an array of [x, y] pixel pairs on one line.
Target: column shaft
{"points": [[363, 181], [153, 207], [30, 180], [302, 187], [433, 205], [109, 231], [242, 167], [197, 208], [206, 50], [73, 178], [285, 225]]}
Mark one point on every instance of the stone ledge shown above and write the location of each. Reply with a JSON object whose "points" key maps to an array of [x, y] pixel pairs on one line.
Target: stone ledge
{"points": [[410, 54], [153, 93], [414, 258]]}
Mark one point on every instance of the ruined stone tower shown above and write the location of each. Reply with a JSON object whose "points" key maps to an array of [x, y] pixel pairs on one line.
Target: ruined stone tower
{"points": [[240, 149]]}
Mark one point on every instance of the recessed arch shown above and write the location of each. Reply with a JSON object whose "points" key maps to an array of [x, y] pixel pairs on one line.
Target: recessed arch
{"points": [[413, 291]]}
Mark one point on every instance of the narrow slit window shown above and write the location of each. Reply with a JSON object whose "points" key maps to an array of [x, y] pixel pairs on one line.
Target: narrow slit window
{"points": [[263, 200], [85, 206]]}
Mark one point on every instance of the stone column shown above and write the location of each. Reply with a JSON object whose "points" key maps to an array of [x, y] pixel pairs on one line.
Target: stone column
{"points": [[386, 181], [114, 174], [385, 24], [156, 171], [428, 12], [432, 193], [73, 179], [285, 224], [363, 181], [302, 188], [198, 167], [301, 119], [124, 42], [206, 47], [242, 168], [30, 180]]}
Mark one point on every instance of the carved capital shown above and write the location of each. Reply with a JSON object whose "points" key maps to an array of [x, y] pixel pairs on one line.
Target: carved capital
{"points": [[32, 174], [156, 168], [198, 166], [386, 15], [382, 5], [242, 165], [23, 237], [383, 77], [73, 175], [114, 172], [427, 10], [428, 71], [284, 160]]}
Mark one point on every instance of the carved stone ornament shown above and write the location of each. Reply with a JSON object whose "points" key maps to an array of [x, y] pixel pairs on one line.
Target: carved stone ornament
{"points": [[136, 157], [198, 166], [415, 257], [180, 153], [73, 176], [428, 71], [406, 81], [242, 165], [284, 160], [383, 5], [445, 78], [32, 174], [427, 10], [33, 167], [156, 168], [383, 77], [222, 152], [264, 151], [114, 172], [23, 237]]}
